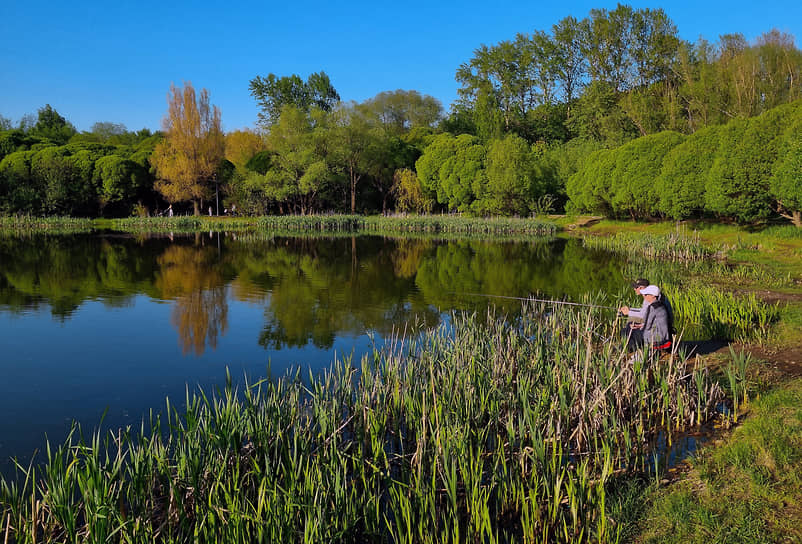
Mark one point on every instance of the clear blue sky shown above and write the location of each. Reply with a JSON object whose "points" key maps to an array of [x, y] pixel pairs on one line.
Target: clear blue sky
{"points": [[114, 61]]}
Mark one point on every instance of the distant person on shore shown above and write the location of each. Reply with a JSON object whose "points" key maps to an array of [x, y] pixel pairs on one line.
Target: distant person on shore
{"points": [[170, 210], [210, 211]]}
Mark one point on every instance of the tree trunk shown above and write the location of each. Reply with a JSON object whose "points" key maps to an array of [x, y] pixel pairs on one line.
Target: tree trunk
{"points": [[353, 195], [196, 207], [796, 218]]}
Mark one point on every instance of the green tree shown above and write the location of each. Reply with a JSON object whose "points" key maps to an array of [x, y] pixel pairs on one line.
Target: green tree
{"points": [[387, 155], [399, 111], [685, 169], [52, 126], [117, 180], [15, 140], [352, 140], [511, 186], [23, 192], [106, 130], [589, 188], [739, 180], [637, 165], [569, 60], [53, 172], [786, 181], [453, 169], [298, 168], [272, 93], [598, 115], [780, 68]]}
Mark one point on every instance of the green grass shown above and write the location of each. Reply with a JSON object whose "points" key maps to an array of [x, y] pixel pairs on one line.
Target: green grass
{"points": [[428, 225], [747, 490], [332, 224], [678, 245], [481, 430], [23, 225]]}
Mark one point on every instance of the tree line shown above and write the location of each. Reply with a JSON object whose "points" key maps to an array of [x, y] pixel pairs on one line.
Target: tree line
{"points": [[746, 170], [603, 114]]}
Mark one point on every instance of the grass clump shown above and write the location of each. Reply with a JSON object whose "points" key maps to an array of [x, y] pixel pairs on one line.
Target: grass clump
{"points": [[482, 430], [673, 246], [747, 490], [21, 225], [704, 312]]}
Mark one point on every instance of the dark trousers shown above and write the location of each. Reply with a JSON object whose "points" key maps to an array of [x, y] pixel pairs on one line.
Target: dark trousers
{"points": [[633, 337]]}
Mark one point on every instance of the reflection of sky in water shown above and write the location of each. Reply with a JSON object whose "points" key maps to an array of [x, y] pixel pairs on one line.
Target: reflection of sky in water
{"points": [[124, 361], [90, 324]]}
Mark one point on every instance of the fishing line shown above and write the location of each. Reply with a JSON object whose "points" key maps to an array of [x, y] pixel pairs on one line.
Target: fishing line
{"points": [[564, 302]]}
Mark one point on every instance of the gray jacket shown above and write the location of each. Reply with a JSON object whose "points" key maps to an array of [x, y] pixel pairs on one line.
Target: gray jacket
{"points": [[640, 313], [656, 329]]}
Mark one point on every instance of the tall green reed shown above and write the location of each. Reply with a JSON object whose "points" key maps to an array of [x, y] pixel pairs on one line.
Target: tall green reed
{"points": [[334, 224], [674, 246], [27, 225], [488, 429]]}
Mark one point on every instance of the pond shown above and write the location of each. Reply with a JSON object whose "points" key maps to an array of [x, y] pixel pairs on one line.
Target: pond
{"points": [[107, 325]]}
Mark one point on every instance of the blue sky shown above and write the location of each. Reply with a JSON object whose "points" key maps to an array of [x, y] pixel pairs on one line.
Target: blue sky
{"points": [[114, 61]]}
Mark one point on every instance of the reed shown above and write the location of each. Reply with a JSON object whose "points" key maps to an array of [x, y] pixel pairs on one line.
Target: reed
{"points": [[673, 246], [327, 224], [704, 312], [26, 224], [489, 430]]}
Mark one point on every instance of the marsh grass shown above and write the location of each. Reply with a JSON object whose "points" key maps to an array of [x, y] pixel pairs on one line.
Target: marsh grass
{"points": [[678, 245], [332, 224], [488, 430], [705, 312], [17, 225]]}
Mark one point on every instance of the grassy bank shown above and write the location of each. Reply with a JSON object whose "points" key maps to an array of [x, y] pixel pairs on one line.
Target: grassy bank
{"points": [[748, 489], [760, 254], [747, 486], [482, 430]]}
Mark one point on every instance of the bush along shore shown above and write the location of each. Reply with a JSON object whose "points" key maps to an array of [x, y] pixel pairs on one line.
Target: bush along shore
{"points": [[483, 429]]}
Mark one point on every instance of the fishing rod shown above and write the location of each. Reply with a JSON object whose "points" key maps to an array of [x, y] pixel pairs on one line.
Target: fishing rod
{"points": [[564, 302]]}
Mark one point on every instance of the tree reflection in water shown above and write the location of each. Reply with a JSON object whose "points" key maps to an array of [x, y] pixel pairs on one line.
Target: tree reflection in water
{"points": [[192, 277], [312, 290]]}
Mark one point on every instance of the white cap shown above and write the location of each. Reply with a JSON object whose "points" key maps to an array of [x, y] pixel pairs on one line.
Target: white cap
{"points": [[650, 290]]}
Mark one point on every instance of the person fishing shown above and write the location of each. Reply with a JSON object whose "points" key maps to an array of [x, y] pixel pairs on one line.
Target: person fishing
{"points": [[655, 330], [636, 316]]}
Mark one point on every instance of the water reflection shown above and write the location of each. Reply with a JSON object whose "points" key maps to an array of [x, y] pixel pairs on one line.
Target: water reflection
{"points": [[312, 290], [115, 323], [193, 277]]}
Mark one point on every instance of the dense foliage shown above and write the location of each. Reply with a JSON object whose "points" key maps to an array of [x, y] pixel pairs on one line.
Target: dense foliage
{"points": [[90, 175], [612, 114], [745, 170]]}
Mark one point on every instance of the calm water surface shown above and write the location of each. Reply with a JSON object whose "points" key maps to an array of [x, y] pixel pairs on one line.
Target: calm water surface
{"points": [[112, 324]]}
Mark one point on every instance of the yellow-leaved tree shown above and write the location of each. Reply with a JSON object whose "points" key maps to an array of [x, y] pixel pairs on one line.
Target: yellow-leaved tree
{"points": [[242, 145], [193, 146]]}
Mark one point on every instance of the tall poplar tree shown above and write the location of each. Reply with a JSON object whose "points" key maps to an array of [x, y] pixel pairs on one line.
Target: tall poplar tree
{"points": [[194, 144]]}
